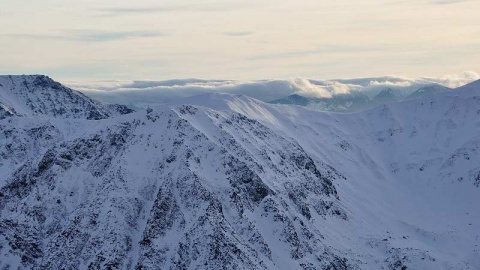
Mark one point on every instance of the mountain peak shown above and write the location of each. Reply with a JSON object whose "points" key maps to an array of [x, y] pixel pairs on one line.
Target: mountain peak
{"points": [[427, 90], [45, 81], [38, 78], [39, 95], [388, 91], [474, 84], [385, 96], [469, 90]]}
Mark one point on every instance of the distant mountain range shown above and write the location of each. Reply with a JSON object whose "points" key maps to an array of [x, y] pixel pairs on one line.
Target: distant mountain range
{"points": [[356, 100]]}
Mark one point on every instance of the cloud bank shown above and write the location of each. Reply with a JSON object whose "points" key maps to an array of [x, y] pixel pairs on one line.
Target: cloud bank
{"points": [[457, 80], [140, 94]]}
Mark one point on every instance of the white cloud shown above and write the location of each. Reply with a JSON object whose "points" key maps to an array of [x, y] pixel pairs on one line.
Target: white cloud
{"points": [[404, 83], [145, 93], [306, 88], [457, 80]]}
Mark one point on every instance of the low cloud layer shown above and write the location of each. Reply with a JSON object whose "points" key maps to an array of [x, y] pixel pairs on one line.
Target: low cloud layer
{"points": [[140, 94], [457, 80]]}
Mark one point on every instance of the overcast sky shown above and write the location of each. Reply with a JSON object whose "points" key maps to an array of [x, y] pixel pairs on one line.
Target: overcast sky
{"points": [[238, 39]]}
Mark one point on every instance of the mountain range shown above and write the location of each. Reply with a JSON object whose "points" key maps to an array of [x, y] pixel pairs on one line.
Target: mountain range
{"points": [[355, 101], [221, 181]]}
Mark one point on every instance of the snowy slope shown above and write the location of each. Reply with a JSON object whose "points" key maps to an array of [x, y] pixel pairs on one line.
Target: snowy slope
{"points": [[228, 182], [428, 90], [470, 90], [385, 96], [349, 102], [412, 171], [34, 95]]}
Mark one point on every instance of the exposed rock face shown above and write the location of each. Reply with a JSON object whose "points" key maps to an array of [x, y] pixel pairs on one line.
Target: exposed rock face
{"points": [[6, 111], [192, 199]]}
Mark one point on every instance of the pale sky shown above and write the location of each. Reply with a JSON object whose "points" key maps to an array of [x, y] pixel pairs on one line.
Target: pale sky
{"points": [[238, 39]]}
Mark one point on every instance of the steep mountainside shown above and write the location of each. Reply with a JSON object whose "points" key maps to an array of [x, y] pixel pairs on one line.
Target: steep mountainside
{"points": [[385, 96], [181, 187], [38, 95], [229, 182]]}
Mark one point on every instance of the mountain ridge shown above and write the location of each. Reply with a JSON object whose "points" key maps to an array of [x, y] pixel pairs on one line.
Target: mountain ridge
{"points": [[30, 95], [356, 101]]}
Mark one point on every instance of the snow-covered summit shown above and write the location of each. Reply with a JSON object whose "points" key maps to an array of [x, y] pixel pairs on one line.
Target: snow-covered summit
{"points": [[386, 96], [469, 90], [36, 95], [428, 90]]}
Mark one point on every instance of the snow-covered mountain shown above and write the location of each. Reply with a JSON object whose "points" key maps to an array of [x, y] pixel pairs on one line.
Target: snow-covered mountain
{"points": [[386, 96], [469, 90], [355, 101], [38, 95], [428, 90], [223, 181]]}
